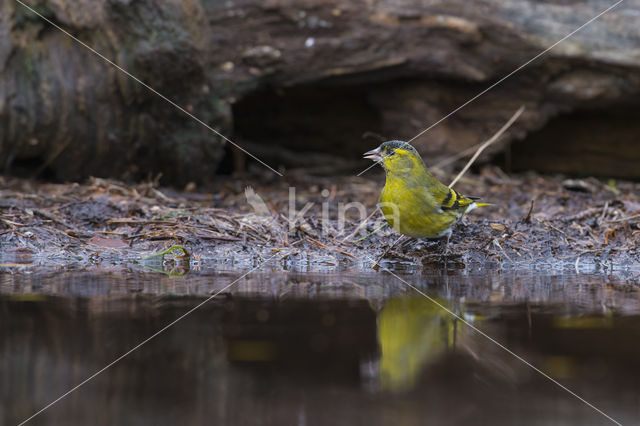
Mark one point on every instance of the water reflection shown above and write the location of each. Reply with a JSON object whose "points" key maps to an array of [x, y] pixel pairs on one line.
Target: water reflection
{"points": [[324, 339], [284, 359], [412, 333]]}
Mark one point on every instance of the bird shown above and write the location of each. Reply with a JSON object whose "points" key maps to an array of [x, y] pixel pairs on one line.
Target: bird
{"points": [[413, 201]]}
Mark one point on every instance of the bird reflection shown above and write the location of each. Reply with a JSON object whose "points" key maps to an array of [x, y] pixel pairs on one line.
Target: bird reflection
{"points": [[412, 332]]}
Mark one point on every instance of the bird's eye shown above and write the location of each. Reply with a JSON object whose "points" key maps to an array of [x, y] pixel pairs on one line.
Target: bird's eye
{"points": [[390, 152]]}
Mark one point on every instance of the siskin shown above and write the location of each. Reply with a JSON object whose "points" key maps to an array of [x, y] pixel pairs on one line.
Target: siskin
{"points": [[413, 201]]}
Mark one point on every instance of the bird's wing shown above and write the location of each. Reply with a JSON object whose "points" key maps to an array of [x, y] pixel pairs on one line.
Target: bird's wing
{"points": [[453, 200], [445, 197]]}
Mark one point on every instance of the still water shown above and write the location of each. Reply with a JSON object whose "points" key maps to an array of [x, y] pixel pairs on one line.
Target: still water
{"points": [[332, 349]]}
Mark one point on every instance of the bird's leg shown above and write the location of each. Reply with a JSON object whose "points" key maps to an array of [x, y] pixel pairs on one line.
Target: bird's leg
{"points": [[375, 265], [421, 244], [446, 244]]}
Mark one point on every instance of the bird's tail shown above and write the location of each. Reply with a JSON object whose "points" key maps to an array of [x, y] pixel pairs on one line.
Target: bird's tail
{"points": [[475, 205]]}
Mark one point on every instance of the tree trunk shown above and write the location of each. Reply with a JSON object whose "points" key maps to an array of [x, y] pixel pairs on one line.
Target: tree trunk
{"points": [[309, 75], [67, 113]]}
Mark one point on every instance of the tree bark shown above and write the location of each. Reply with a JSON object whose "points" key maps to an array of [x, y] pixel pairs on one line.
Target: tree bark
{"points": [[308, 75], [66, 112], [399, 66]]}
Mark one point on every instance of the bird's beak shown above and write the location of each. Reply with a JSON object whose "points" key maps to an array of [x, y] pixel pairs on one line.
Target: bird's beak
{"points": [[374, 155]]}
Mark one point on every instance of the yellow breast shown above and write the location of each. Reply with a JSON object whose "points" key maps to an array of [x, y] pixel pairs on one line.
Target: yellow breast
{"points": [[412, 210]]}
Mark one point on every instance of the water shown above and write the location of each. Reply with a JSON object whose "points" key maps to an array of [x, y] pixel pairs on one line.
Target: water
{"points": [[341, 349]]}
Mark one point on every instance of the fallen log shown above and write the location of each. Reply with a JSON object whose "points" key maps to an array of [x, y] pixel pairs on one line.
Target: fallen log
{"points": [[308, 75]]}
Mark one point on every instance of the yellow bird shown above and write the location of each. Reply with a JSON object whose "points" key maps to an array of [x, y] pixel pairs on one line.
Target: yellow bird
{"points": [[413, 201]]}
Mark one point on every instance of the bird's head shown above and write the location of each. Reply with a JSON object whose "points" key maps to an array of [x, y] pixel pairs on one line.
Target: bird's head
{"points": [[396, 157]]}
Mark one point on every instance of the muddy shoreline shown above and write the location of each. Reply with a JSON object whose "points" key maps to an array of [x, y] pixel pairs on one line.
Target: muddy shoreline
{"points": [[581, 225]]}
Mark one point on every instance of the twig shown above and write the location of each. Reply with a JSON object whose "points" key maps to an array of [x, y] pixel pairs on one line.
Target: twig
{"points": [[161, 196], [560, 231], [52, 218], [136, 221], [218, 237], [60, 231], [323, 246], [582, 215], [375, 265], [624, 219], [318, 243], [604, 212], [487, 143], [497, 244], [527, 218], [348, 254], [370, 234], [12, 223]]}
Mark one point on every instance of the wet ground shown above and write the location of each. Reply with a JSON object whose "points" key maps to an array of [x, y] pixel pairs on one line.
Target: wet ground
{"points": [[548, 223], [348, 348]]}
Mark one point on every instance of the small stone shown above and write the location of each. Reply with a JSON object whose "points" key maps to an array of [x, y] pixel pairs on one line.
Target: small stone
{"points": [[227, 66]]}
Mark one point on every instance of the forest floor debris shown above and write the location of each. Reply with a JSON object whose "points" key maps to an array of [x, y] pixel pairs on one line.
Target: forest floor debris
{"points": [[537, 222]]}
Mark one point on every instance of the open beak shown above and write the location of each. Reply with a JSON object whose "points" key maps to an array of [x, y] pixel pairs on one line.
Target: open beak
{"points": [[374, 155]]}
